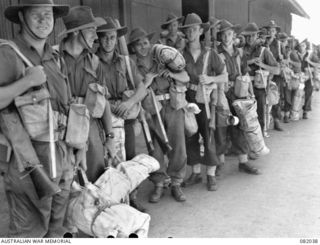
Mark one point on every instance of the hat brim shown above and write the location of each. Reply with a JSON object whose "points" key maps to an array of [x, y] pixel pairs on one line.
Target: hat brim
{"points": [[129, 45], [215, 24], [247, 33], [204, 26], [165, 25], [236, 28], [149, 36], [120, 31], [11, 12], [277, 27], [98, 21]]}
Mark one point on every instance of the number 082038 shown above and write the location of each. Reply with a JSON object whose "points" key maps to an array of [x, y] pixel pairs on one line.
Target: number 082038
{"points": [[309, 241]]}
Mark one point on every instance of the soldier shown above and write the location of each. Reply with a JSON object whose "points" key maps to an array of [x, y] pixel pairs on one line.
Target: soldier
{"points": [[29, 216], [306, 58], [170, 35], [232, 58], [194, 54], [278, 53], [84, 68], [118, 82], [172, 118], [255, 58]]}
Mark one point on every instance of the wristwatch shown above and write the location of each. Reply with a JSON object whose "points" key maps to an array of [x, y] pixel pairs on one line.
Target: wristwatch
{"points": [[110, 135]]}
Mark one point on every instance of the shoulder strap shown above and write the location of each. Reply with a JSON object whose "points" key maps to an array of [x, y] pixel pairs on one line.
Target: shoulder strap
{"points": [[17, 51], [262, 50]]}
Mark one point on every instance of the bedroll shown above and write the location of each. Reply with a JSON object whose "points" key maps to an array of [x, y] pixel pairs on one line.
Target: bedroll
{"points": [[99, 209]]}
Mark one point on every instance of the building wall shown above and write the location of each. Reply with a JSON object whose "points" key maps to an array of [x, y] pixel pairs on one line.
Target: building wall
{"points": [[150, 14], [261, 11]]}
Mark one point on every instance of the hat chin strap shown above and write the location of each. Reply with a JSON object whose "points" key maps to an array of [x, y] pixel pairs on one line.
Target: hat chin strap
{"points": [[85, 41], [28, 29]]}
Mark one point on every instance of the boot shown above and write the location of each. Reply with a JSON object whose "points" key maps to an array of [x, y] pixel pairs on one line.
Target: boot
{"points": [[177, 193], [135, 204], [277, 125], [245, 167], [211, 183], [305, 115], [156, 194], [286, 119], [193, 179]]}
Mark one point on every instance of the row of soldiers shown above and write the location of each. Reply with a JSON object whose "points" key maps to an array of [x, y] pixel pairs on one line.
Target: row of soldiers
{"points": [[67, 71]]}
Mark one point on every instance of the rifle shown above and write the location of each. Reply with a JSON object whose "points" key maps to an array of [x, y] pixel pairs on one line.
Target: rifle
{"points": [[141, 117], [27, 159]]}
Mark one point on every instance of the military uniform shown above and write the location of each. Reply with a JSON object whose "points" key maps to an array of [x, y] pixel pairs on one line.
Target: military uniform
{"points": [[237, 136], [194, 69], [117, 83], [30, 217], [173, 120], [268, 59], [82, 71]]}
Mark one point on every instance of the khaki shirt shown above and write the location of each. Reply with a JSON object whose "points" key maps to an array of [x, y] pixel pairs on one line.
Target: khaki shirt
{"points": [[116, 75], [255, 52], [12, 69], [82, 71], [231, 62]]}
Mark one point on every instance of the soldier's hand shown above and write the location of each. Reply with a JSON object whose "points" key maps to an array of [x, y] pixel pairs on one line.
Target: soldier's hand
{"points": [[205, 79], [111, 148], [123, 109], [36, 75], [149, 78], [81, 159]]}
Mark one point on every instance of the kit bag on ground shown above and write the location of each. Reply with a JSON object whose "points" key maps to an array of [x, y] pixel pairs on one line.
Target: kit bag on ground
{"points": [[95, 100], [101, 209], [78, 126], [246, 110]]}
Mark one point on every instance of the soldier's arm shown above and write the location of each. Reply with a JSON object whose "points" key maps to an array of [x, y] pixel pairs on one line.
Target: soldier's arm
{"points": [[12, 83]]}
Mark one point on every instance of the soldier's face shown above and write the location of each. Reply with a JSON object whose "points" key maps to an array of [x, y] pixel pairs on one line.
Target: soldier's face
{"points": [[227, 37], [193, 33], [142, 47], [173, 27], [251, 38], [90, 35], [40, 20], [108, 41], [302, 47], [272, 32]]}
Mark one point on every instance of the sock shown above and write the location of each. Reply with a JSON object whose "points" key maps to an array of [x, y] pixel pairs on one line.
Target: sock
{"points": [[196, 168], [211, 170], [243, 158]]}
